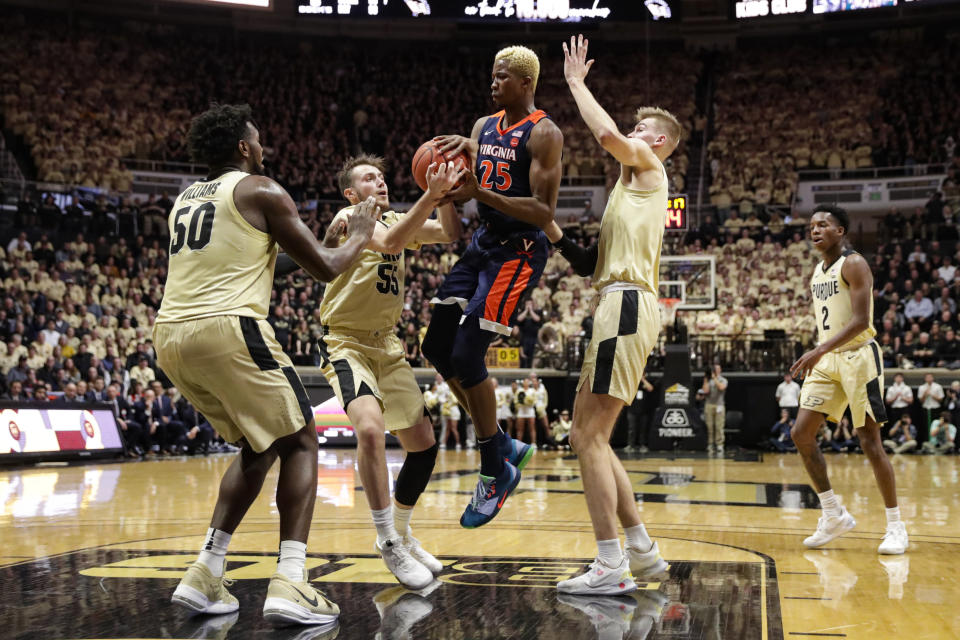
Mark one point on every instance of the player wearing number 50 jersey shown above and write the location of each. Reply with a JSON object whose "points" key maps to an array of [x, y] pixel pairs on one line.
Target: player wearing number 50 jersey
{"points": [[213, 341], [363, 359], [844, 369], [517, 162]]}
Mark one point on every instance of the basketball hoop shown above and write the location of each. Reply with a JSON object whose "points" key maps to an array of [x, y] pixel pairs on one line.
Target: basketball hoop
{"points": [[668, 310]]}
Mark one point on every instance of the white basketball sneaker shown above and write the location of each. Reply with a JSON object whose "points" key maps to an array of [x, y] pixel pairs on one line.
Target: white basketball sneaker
{"points": [[601, 580], [409, 571], [646, 564], [830, 527], [895, 540], [421, 555]]}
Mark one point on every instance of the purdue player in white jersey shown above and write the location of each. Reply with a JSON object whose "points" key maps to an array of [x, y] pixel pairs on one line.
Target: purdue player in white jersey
{"points": [[625, 269], [844, 369], [363, 359], [213, 341]]}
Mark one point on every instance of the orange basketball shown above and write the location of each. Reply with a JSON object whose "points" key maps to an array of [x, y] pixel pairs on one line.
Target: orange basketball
{"points": [[428, 153]]}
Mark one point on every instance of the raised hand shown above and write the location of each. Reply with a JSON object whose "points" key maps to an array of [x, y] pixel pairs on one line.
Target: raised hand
{"points": [[336, 229], [452, 144], [575, 63], [364, 218], [442, 177]]}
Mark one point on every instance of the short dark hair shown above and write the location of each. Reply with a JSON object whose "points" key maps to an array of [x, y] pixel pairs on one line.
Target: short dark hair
{"points": [[345, 175], [214, 133], [839, 214]]}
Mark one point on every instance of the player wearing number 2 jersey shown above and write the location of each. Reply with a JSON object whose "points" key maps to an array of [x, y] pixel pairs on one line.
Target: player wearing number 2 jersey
{"points": [[517, 152], [844, 369], [213, 341]]}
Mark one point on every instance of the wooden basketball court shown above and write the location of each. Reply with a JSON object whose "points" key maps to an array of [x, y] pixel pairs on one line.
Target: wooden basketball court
{"points": [[94, 551]]}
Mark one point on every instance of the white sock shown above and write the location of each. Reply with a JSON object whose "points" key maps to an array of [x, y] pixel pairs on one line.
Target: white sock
{"points": [[637, 538], [214, 551], [401, 519], [383, 521], [293, 555], [829, 503], [609, 552], [893, 515]]}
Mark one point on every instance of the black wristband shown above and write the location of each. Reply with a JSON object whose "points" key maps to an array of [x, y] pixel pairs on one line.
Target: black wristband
{"points": [[583, 261], [285, 265]]}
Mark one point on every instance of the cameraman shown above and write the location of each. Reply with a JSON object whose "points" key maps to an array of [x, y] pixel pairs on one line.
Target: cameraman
{"points": [[903, 435], [714, 411]]}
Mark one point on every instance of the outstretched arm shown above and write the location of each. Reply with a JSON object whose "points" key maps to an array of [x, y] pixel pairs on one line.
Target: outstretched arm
{"points": [[446, 228], [393, 239], [630, 152], [264, 197]]}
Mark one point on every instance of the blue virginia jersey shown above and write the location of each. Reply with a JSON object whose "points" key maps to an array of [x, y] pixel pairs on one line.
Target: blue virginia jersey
{"points": [[503, 165]]}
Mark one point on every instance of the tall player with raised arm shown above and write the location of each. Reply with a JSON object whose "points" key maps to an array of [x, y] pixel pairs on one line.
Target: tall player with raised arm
{"points": [[517, 152], [625, 265]]}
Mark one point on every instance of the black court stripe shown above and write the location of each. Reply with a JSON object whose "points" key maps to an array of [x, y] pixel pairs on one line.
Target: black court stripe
{"points": [[348, 392], [603, 371], [629, 306], [297, 385], [256, 346]]}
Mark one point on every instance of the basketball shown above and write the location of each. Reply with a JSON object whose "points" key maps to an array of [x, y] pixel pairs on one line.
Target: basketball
{"points": [[429, 152]]}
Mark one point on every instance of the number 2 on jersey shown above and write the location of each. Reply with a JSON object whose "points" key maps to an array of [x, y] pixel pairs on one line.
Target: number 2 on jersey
{"points": [[826, 314], [503, 175], [197, 236]]}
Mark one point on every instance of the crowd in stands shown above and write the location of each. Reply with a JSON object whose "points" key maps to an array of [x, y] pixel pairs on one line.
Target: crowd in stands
{"points": [[836, 108], [129, 93], [82, 277]]}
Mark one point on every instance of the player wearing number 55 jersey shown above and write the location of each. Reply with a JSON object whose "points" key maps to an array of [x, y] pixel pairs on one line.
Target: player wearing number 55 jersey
{"points": [[213, 341], [363, 359], [844, 369], [518, 171]]}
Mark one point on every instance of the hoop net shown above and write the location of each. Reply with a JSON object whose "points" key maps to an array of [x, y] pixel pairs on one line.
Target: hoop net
{"points": [[668, 310]]}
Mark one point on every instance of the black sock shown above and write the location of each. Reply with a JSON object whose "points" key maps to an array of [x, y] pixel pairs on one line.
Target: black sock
{"points": [[491, 461]]}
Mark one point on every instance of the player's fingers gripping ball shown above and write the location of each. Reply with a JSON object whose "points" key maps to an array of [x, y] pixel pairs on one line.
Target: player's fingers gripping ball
{"points": [[428, 153]]}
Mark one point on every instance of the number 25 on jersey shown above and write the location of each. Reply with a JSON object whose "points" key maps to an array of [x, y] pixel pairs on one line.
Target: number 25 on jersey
{"points": [[501, 181]]}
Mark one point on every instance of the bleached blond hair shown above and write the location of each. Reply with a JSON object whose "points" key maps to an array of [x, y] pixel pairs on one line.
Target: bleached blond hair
{"points": [[667, 123], [522, 61]]}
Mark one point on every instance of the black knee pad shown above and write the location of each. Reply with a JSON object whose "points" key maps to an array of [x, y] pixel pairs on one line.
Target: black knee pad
{"points": [[438, 342], [470, 352], [414, 475]]}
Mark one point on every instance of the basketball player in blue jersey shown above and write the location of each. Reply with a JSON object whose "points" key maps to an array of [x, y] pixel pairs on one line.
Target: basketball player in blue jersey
{"points": [[517, 176]]}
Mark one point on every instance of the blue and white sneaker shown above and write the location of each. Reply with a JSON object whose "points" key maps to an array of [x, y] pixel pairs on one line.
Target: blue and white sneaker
{"points": [[489, 496], [516, 452]]}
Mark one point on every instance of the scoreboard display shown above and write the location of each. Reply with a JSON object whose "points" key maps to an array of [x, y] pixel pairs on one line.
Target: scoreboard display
{"points": [[677, 213], [238, 4], [494, 10], [746, 9]]}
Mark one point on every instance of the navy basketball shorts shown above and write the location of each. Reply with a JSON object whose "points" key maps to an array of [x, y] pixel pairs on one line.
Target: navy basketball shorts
{"points": [[494, 275]]}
